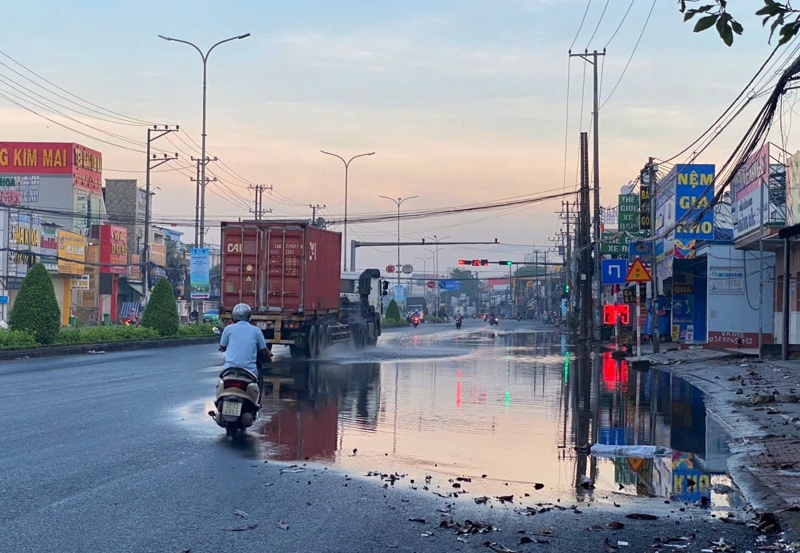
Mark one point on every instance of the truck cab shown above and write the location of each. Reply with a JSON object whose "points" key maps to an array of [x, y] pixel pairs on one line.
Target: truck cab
{"points": [[350, 291]]}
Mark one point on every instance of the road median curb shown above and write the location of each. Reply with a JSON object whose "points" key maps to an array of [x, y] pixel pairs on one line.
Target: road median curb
{"points": [[107, 347]]}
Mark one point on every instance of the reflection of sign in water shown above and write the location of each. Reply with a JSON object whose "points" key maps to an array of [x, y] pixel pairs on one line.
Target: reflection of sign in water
{"points": [[689, 483], [199, 273]]}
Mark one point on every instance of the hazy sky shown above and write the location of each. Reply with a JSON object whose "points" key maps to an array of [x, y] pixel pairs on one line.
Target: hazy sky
{"points": [[463, 101]]}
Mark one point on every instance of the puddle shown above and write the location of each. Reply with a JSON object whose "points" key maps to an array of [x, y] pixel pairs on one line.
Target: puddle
{"points": [[504, 411]]}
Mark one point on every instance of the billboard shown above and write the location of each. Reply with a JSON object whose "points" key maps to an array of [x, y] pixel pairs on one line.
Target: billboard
{"points": [[793, 189], [48, 248], [113, 249], [694, 191], [628, 212], [158, 254], [199, 273], [53, 158], [747, 187], [71, 253]]}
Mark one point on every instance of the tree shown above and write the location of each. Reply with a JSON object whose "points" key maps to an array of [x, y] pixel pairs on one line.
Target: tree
{"points": [[161, 313], [717, 15], [393, 312], [529, 271], [176, 266], [36, 308]]}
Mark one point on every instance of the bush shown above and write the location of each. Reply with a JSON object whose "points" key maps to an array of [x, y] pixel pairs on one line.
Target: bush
{"points": [[390, 323], [432, 319], [161, 313], [36, 308], [17, 339], [105, 334], [393, 312], [205, 329]]}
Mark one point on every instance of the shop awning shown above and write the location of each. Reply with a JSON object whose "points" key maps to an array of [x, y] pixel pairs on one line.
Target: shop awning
{"points": [[136, 287]]}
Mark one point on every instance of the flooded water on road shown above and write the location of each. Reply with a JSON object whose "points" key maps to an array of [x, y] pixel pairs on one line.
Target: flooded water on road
{"points": [[503, 411]]}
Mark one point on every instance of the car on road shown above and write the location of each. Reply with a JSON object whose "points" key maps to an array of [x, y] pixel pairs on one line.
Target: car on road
{"points": [[211, 316]]}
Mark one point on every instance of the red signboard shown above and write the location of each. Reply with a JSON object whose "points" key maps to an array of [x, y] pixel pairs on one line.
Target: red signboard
{"points": [[113, 249], [390, 268], [611, 311], [431, 284], [53, 158]]}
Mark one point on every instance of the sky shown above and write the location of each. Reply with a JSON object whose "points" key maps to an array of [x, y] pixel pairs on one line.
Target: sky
{"points": [[463, 102]]}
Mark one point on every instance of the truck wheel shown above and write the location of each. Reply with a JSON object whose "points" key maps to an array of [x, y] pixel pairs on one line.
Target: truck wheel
{"points": [[313, 343], [322, 339], [296, 352], [329, 336]]}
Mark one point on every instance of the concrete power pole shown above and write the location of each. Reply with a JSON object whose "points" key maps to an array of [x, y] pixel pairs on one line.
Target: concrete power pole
{"points": [[258, 209], [584, 243], [314, 209], [153, 161], [198, 194], [651, 182]]}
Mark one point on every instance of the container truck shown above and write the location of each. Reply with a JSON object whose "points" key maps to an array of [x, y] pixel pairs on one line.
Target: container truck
{"points": [[289, 273]]}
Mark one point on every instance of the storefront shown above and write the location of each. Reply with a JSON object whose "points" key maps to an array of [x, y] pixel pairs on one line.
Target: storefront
{"points": [[113, 264], [71, 258]]}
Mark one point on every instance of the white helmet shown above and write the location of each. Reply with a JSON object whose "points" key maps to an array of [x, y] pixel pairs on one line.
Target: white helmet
{"points": [[241, 312]]}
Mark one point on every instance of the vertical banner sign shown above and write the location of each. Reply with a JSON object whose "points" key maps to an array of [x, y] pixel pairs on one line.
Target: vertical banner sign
{"points": [[199, 274], [694, 192], [645, 210], [628, 212], [793, 189]]}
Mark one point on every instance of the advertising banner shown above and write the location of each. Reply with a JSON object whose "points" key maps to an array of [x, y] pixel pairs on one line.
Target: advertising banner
{"points": [[86, 207], [158, 254], [113, 250], [199, 273], [693, 194], [24, 237], [48, 248], [628, 212], [71, 253], [747, 187], [793, 190]]}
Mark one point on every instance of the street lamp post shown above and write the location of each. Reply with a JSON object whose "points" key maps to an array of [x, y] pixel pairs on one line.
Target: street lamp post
{"points": [[398, 202], [204, 57], [346, 168], [436, 241]]}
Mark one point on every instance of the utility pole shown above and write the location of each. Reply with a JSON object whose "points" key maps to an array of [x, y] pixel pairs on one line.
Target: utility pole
{"points": [[398, 202], [593, 58], [584, 242], [651, 179], [153, 161], [258, 203], [314, 209], [197, 194]]}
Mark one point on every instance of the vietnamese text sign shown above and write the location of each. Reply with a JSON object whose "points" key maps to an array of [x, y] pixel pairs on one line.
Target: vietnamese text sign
{"points": [[694, 191], [645, 207], [618, 245], [628, 212], [750, 193], [79, 282], [793, 189], [71, 252], [199, 273], [113, 250], [726, 280]]}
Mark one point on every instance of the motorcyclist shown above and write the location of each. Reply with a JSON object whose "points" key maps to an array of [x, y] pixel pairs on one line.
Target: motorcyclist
{"points": [[242, 342]]}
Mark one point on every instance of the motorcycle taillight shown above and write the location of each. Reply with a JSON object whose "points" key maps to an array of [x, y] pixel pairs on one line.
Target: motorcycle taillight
{"points": [[234, 384]]}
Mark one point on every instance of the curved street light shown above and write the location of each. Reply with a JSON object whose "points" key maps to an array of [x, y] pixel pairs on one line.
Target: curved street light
{"points": [[346, 167], [204, 57], [398, 202]]}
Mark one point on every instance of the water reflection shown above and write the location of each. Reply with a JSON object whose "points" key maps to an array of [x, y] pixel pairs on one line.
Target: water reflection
{"points": [[518, 407]]}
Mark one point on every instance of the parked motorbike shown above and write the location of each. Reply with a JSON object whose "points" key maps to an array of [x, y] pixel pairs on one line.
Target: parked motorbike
{"points": [[415, 322]]}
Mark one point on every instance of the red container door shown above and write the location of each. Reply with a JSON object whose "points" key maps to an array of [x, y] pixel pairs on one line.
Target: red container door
{"points": [[284, 270], [241, 257]]}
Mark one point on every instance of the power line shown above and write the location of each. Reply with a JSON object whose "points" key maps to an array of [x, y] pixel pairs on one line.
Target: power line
{"points": [[598, 24], [624, 17], [580, 27]]}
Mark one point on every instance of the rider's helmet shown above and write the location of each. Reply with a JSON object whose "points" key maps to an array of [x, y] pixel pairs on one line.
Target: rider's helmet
{"points": [[241, 312]]}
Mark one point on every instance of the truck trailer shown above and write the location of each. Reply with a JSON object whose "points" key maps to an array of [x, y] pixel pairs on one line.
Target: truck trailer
{"points": [[289, 273]]}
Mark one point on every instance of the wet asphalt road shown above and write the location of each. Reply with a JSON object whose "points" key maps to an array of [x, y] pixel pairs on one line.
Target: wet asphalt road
{"points": [[112, 453]]}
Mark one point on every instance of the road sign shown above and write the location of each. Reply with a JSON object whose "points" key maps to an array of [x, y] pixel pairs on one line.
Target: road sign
{"points": [[614, 271], [449, 285], [637, 272], [390, 268], [431, 284], [640, 249], [3, 300], [408, 269]]}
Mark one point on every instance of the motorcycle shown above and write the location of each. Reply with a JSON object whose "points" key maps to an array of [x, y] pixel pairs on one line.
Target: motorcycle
{"points": [[485, 316], [458, 323], [415, 322], [494, 321], [238, 395]]}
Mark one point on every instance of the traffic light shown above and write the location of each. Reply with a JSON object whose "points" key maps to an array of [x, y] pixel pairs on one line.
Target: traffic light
{"points": [[566, 289], [464, 262], [473, 262], [611, 311], [509, 263]]}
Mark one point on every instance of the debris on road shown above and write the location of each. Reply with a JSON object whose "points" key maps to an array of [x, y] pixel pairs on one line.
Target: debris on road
{"points": [[242, 528], [282, 525], [240, 513]]}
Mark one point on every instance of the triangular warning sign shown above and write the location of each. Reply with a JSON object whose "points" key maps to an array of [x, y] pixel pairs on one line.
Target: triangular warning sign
{"points": [[249, 279], [637, 272]]}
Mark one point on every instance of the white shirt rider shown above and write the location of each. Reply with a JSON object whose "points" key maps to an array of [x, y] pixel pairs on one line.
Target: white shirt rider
{"points": [[242, 342]]}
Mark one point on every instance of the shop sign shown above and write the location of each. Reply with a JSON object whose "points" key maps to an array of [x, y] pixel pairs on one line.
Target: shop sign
{"points": [[694, 192], [750, 193], [113, 249], [71, 253]]}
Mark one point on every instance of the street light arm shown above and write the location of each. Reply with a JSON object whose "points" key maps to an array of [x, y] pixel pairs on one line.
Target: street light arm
{"points": [[335, 155], [409, 198], [170, 39], [240, 37], [391, 199], [359, 155]]}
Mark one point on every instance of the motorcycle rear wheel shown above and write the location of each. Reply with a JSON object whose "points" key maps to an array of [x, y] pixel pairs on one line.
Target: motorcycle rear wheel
{"points": [[230, 429]]}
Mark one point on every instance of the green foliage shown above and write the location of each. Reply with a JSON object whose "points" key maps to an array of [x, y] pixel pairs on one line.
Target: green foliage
{"points": [[391, 323], [36, 308], [433, 319], [441, 314], [393, 312], [17, 339], [529, 271], [205, 329], [161, 313], [104, 334], [717, 15]]}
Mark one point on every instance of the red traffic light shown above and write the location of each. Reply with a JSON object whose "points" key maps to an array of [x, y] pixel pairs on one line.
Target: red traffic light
{"points": [[611, 311], [464, 262]]}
